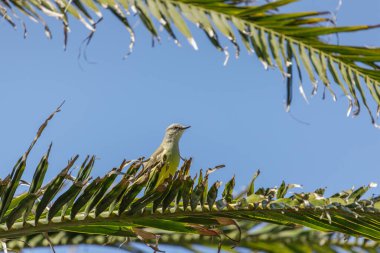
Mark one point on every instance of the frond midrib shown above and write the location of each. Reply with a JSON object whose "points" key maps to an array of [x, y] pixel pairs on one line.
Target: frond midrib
{"points": [[56, 224]]}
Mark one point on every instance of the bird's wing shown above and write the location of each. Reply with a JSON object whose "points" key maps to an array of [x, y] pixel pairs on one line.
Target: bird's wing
{"points": [[156, 156]]}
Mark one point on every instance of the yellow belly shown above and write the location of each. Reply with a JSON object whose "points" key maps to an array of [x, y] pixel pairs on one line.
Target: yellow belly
{"points": [[170, 168]]}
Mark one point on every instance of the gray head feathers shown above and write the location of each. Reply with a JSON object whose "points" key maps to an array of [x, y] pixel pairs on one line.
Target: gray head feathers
{"points": [[176, 127], [174, 132]]}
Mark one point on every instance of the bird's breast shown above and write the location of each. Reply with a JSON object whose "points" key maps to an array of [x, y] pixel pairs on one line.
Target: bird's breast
{"points": [[172, 160]]}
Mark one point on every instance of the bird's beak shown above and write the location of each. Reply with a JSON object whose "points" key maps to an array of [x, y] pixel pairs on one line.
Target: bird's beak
{"points": [[186, 127]]}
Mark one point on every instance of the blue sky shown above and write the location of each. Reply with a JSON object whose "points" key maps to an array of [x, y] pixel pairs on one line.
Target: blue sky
{"points": [[119, 108]]}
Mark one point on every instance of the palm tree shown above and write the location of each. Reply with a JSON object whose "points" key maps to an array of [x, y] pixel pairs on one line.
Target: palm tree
{"points": [[185, 211], [182, 211]]}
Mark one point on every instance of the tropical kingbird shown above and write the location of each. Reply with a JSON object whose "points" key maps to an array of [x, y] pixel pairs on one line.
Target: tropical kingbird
{"points": [[168, 154]]}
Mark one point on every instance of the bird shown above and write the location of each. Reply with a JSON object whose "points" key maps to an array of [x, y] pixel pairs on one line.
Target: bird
{"points": [[167, 153]]}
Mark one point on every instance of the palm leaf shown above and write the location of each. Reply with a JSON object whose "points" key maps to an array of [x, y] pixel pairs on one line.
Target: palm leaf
{"points": [[118, 206], [278, 39], [255, 237]]}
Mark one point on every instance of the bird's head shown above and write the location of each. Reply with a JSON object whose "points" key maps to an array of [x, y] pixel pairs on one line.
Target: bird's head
{"points": [[175, 131]]}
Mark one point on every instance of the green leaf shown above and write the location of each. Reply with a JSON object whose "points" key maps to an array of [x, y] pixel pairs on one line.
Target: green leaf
{"points": [[10, 190], [180, 24], [251, 187], [83, 199], [227, 193], [52, 189]]}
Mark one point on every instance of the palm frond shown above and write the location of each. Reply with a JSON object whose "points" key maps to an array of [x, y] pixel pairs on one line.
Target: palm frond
{"points": [[255, 237], [116, 205], [289, 41]]}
